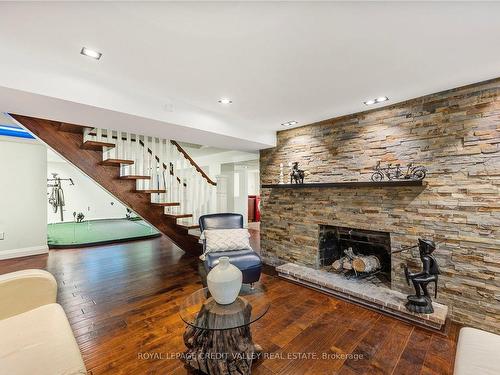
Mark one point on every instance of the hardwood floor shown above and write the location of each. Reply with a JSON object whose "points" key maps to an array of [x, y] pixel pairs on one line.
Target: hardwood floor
{"points": [[122, 303]]}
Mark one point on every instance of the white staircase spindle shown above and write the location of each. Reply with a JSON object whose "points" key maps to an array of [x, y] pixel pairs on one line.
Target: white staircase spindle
{"points": [[203, 196], [147, 160], [154, 168], [196, 194], [175, 173], [151, 162], [188, 187], [136, 152], [192, 191], [118, 145], [158, 164], [168, 160], [185, 171], [188, 190], [173, 181], [119, 150], [168, 177], [161, 174], [98, 135], [113, 152], [212, 206], [139, 157], [177, 185], [87, 134], [183, 189], [157, 158], [127, 152], [144, 159], [110, 154], [206, 195]]}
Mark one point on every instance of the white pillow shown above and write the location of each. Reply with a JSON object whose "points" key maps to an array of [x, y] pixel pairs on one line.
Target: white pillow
{"points": [[225, 240]]}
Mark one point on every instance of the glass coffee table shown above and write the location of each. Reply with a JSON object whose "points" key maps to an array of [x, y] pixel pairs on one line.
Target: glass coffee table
{"points": [[218, 337]]}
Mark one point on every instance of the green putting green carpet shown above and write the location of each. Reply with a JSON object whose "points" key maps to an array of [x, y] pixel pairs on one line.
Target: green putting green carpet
{"points": [[98, 231]]}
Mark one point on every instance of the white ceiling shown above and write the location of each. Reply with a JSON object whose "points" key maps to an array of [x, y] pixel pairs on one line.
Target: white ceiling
{"points": [[195, 150], [165, 65]]}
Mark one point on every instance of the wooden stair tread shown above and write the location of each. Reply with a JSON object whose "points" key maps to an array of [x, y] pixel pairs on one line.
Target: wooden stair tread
{"points": [[151, 191], [165, 204], [179, 216], [188, 226], [72, 128], [117, 162], [135, 177], [95, 145], [195, 232]]}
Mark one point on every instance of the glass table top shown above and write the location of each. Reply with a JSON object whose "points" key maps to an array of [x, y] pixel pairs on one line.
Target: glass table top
{"points": [[200, 310]]}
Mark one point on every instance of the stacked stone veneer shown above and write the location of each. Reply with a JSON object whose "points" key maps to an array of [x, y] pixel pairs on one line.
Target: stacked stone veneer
{"points": [[456, 135]]}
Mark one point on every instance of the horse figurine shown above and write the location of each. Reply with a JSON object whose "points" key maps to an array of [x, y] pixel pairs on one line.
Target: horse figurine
{"points": [[296, 174]]}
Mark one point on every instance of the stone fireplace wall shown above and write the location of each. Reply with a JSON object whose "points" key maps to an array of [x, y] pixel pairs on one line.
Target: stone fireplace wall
{"points": [[456, 135]]}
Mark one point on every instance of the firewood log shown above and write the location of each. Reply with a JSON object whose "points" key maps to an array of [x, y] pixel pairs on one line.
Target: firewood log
{"points": [[337, 265], [347, 264], [368, 263]]}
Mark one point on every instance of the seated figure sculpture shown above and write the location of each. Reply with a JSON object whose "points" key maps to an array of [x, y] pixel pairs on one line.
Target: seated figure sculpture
{"points": [[421, 302]]}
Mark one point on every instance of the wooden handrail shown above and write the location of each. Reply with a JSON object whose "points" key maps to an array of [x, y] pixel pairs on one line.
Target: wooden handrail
{"points": [[193, 163], [181, 150]]}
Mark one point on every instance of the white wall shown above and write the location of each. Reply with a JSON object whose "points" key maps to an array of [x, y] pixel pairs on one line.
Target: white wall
{"points": [[23, 208], [84, 194], [241, 193], [227, 173], [211, 163], [253, 182], [236, 183]]}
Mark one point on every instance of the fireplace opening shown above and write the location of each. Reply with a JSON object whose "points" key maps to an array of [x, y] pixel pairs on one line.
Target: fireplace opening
{"points": [[356, 253]]}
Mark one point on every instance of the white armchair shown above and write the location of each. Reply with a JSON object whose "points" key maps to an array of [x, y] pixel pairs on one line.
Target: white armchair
{"points": [[26, 290], [477, 353], [36, 337]]}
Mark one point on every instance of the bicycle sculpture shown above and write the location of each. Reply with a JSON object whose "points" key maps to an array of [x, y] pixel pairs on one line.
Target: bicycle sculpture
{"points": [[56, 197], [296, 174], [413, 173]]}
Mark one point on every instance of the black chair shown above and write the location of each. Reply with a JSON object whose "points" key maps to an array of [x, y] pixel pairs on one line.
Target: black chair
{"points": [[248, 261]]}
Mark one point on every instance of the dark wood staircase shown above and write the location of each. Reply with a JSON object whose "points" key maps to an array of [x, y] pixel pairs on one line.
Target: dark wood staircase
{"points": [[67, 140]]}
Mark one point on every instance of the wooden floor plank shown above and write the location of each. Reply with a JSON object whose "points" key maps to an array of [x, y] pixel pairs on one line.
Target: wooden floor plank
{"points": [[368, 346], [122, 301], [387, 356], [412, 358]]}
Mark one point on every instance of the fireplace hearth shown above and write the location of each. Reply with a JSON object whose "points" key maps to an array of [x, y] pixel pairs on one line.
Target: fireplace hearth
{"points": [[338, 246]]}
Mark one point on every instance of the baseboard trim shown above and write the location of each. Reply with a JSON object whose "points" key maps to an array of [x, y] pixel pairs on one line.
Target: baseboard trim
{"points": [[23, 252]]}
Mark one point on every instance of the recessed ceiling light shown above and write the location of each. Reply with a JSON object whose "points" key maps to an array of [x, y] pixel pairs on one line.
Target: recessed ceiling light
{"points": [[380, 99], [91, 53], [225, 101], [289, 123]]}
